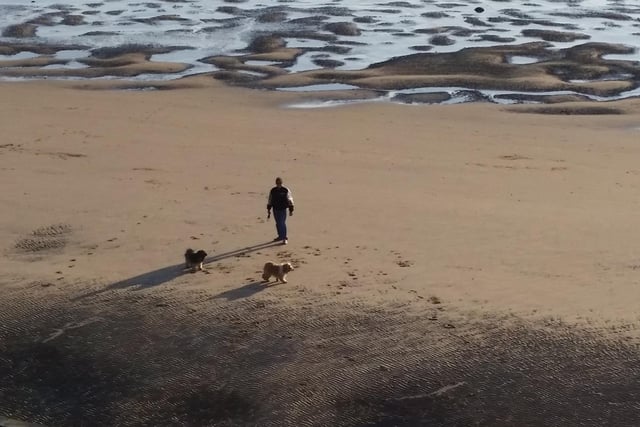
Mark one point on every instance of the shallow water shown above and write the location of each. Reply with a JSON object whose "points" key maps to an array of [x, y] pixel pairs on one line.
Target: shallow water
{"points": [[191, 24], [387, 29]]}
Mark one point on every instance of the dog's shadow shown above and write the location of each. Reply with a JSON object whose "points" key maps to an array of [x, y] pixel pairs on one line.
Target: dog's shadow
{"points": [[166, 274], [245, 291]]}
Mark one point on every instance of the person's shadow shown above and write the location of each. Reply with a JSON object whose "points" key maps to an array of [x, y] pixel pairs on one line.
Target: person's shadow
{"points": [[166, 274], [244, 291]]}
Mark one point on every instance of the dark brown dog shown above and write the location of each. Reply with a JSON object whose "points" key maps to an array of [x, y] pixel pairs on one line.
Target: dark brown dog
{"points": [[193, 259]]}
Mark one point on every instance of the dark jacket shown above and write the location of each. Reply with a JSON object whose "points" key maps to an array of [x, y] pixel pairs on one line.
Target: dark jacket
{"points": [[280, 198]]}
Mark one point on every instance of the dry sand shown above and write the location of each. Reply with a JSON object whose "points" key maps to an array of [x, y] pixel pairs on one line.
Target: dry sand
{"points": [[494, 210], [482, 209]]}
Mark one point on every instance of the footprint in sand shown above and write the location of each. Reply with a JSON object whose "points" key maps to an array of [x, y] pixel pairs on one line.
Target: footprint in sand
{"points": [[312, 251], [45, 238], [434, 300], [404, 263], [514, 157], [223, 268]]}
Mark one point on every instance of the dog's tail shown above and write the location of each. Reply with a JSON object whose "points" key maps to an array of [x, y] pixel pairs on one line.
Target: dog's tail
{"points": [[189, 251]]}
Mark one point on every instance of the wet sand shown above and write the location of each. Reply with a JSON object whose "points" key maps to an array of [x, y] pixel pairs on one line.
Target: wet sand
{"points": [[455, 265]]}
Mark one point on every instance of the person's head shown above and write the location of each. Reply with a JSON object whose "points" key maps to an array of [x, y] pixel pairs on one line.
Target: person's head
{"points": [[279, 182]]}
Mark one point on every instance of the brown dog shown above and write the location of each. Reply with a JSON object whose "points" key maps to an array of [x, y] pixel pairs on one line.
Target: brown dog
{"points": [[194, 260], [278, 270]]}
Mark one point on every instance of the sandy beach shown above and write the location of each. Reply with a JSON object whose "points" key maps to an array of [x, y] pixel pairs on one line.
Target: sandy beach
{"points": [[437, 249]]}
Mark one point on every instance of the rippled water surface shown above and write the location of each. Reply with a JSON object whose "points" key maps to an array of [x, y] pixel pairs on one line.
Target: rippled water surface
{"points": [[387, 29]]}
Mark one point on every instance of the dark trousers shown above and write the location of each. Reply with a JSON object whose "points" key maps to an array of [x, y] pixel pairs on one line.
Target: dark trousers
{"points": [[280, 215]]}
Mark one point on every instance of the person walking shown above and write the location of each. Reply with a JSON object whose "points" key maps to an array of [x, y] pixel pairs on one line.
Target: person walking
{"points": [[281, 200]]}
